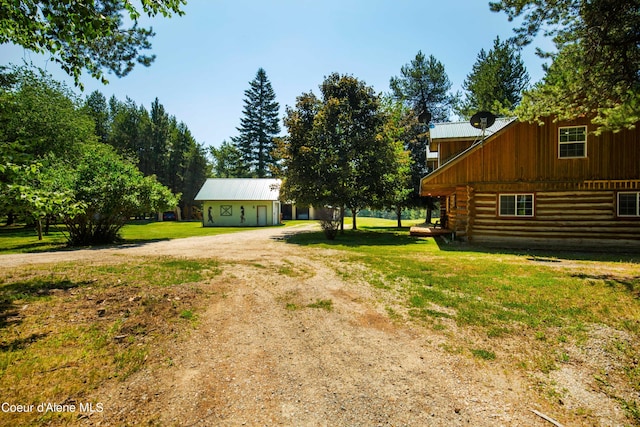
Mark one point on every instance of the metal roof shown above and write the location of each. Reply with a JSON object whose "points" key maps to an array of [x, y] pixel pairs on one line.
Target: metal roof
{"points": [[240, 189], [463, 130]]}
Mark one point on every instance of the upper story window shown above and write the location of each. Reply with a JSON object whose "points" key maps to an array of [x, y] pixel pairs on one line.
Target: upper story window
{"points": [[516, 205], [629, 204], [572, 142]]}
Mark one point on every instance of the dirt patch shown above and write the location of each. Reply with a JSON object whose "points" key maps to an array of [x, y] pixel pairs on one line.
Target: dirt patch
{"points": [[264, 354]]}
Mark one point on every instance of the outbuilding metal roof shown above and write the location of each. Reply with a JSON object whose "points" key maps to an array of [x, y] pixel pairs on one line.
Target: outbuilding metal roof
{"points": [[240, 189], [462, 130]]}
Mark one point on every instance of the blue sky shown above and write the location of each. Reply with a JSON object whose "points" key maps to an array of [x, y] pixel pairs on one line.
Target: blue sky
{"points": [[206, 58]]}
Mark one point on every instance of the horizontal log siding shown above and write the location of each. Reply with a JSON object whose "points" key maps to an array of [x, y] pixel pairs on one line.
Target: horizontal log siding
{"points": [[462, 212], [568, 218], [455, 206]]}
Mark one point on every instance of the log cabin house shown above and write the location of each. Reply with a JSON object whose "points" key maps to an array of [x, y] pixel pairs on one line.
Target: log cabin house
{"points": [[528, 185]]}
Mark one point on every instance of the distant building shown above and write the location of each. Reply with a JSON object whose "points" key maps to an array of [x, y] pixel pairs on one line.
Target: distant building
{"points": [[240, 202]]}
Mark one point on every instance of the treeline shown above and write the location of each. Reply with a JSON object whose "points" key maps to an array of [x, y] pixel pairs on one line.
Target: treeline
{"points": [[89, 164], [160, 144]]}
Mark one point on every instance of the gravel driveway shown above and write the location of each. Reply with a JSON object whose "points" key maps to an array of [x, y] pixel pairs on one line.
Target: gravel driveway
{"points": [[263, 354]]}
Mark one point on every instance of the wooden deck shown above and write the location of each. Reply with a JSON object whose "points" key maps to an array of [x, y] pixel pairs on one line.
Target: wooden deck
{"points": [[429, 231]]}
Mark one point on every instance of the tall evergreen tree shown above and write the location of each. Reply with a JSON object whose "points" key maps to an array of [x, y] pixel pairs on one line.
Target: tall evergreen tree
{"points": [[424, 84], [128, 125], [595, 67], [160, 132], [496, 82], [195, 174], [157, 142], [96, 106], [259, 126]]}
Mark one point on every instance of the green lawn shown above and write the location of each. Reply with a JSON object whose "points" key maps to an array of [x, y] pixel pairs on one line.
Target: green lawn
{"points": [[520, 310], [19, 239], [493, 290], [23, 240], [517, 310], [144, 231]]}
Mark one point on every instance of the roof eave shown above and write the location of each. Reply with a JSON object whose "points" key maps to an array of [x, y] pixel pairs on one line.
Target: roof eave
{"points": [[462, 155]]}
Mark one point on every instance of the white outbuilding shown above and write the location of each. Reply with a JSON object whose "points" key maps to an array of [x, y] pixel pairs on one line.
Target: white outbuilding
{"points": [[240, 202]]}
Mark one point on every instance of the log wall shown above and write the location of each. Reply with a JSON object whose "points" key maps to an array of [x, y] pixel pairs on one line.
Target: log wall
{"points": [[566, 218]]}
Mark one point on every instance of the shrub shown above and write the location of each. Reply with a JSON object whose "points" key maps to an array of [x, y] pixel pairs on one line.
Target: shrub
{"points": [[330, 220]]}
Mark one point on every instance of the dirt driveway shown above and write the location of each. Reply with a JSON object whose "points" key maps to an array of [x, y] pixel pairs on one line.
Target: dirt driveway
{"points": [[287, 341]]}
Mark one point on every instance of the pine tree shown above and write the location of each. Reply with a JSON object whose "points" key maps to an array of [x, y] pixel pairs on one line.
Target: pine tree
{"points": [[424, 85], [594, 69], [258, 126], [496, 82], [96, 106]]}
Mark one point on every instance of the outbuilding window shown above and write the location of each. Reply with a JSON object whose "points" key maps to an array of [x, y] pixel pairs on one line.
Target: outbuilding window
{"points": [[572, 142], [516, 205], [629, 204]]}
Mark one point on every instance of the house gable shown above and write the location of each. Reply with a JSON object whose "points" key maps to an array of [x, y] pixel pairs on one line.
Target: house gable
{"points": [[524, 152]]}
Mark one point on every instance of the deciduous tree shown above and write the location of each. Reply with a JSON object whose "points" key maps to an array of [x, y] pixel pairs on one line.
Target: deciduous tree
{"points": [[400, 129], [227, 161], [335, 154], [53, 165], [113, 191], [84, 35]]}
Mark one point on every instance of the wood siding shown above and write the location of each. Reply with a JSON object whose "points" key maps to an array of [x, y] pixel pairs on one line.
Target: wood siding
{"points": [[525, 152], [450, 148], [574, 199], [455, 207], [567, 218]]}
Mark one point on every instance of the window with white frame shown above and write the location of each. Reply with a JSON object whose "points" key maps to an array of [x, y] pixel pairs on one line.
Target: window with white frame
{"points": [[572, 142], [516, 205], [629, 204]]}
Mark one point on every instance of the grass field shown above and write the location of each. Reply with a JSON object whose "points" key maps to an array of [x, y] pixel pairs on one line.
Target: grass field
{"points": [[19, 239], [529, 310], [22, 240], [533, 311]]}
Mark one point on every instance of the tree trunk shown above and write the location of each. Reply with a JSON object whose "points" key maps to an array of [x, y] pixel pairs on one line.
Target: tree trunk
{"points": [[429, 215], [342, 209], [354, 212], [39, 228], [399, 216]]}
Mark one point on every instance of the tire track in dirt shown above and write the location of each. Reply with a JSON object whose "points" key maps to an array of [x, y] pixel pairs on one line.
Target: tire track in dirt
{"points": [[261, 356]]}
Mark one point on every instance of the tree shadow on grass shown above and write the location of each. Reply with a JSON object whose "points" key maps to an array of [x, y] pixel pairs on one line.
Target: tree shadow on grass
{"points": [[20, 343], [630, 284], [541, 254], [365, 236], [59, 244], [28, 291]]}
